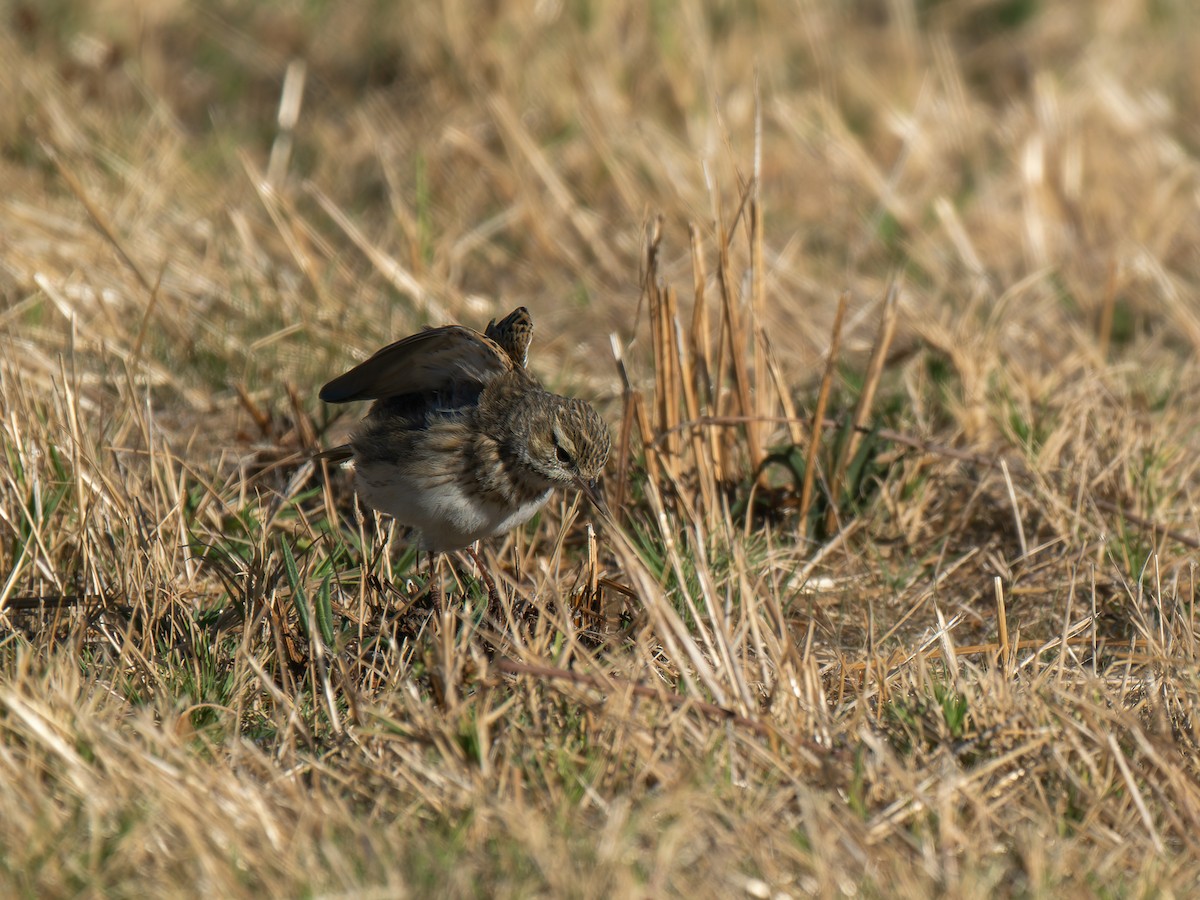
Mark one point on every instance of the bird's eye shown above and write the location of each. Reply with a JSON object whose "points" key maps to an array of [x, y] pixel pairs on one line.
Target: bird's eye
{"points": [[563, 456]]}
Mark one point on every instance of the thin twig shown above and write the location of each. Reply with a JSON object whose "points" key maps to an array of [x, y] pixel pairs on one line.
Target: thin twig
{"points": [[810, 465]]}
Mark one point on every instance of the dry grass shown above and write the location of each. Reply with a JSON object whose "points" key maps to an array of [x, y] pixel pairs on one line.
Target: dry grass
{"points": [[951, 651]]}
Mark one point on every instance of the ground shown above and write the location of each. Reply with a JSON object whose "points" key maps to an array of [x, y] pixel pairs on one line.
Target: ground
{"points": [[891, 308]]}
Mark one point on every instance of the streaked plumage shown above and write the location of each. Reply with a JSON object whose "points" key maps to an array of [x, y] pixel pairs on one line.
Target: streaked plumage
{"points": [[462, 442]]}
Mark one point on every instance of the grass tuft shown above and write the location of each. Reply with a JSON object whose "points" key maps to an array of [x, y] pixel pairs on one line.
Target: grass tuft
{"points": [[891, 308]]}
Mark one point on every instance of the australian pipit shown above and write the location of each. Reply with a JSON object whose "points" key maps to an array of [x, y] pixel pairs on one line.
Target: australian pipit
{"points": [[462, 441]]}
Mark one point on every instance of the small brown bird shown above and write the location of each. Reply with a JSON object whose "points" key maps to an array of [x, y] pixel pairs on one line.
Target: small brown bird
{"points": [[462, 442]]}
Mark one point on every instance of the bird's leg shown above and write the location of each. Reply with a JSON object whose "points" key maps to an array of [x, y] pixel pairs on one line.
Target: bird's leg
{"points": [[493, 594], [435, 586]]}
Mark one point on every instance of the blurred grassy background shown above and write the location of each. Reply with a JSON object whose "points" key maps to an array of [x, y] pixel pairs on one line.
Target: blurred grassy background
{"points": [[211, 208]]}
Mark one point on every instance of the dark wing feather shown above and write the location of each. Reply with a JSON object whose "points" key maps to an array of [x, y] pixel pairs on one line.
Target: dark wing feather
{"points": [[434, 361], [337, 454]]}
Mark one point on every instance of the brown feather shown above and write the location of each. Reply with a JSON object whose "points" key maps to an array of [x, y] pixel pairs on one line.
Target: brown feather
{"points": [[429, 362]]}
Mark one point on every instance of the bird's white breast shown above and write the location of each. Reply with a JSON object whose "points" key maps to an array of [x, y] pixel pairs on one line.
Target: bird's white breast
{"points": [[448, 515]]}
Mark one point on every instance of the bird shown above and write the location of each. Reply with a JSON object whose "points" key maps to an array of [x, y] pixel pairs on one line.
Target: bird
{"points": [[462, 442]]}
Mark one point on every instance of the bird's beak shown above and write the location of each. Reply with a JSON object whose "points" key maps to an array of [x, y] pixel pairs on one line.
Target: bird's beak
{"points": [[595, 494]]}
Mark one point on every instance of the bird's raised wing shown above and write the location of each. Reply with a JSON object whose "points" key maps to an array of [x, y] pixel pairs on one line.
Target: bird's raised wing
{"points": [[513, 333], [439, 360]]}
